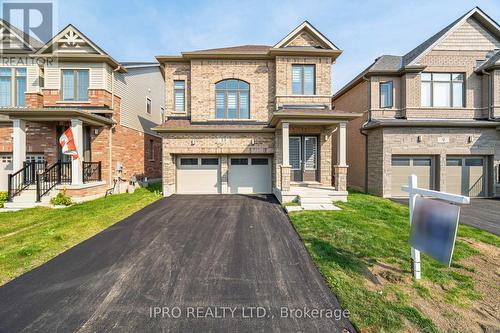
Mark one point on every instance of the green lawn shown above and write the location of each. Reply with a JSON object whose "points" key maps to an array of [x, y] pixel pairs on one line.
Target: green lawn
{"points": [[372, 232], [30, 237]]}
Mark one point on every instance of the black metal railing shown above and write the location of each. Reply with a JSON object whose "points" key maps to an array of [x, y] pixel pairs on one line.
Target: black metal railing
{"points": [[57, 173], [92, 172], [24, 177]]}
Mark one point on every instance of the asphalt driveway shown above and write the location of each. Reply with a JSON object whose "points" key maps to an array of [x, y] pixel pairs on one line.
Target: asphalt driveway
{"points": [[207, 260]]}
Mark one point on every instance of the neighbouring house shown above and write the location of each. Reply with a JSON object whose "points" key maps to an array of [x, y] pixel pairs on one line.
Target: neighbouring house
{"points": [[255, 119], [433, 112], [72, 83]]}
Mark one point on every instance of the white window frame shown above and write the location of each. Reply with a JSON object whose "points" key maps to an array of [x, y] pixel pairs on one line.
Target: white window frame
{"points": [[13, 84], [451, 81], [183, 94], [61, 96], [391, 94]]}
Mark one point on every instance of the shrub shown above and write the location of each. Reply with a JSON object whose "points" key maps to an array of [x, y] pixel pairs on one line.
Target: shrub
{"points": [[61, 199], [3, 198]]}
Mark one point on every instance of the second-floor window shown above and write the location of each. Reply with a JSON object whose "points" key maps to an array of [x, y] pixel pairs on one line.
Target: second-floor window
{"points": [[12, 87], [442, 89], [75, 84], [386, 94], [303, 79], [232, 100], [148, 105], [179, 96]]}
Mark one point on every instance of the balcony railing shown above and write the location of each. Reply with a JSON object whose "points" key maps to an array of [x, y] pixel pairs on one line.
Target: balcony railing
{"points": [[92, 172]]}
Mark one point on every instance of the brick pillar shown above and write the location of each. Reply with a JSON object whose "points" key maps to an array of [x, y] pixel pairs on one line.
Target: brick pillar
{"points": [[223, 174], [285, 178], [340, 177], [169, 169]]}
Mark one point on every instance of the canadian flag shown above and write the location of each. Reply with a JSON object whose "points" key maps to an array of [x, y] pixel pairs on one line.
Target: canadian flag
{"points": [[68, 144]]}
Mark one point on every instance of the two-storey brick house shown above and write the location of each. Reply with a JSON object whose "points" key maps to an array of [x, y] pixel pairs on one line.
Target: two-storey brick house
{"points": [[72, 83], [254, 119], [433, 112]]}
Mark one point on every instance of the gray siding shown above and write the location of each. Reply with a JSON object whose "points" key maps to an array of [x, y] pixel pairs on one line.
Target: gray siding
{"points": [[134, 88]]}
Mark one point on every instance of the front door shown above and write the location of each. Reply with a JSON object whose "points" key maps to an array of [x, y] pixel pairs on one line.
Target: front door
{"points": [[303, 154]]}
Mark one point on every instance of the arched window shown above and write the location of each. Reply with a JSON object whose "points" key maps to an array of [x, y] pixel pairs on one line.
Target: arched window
{"points": [[232, 99]]}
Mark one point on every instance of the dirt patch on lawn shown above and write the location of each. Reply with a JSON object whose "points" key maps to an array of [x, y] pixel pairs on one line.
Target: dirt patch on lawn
{"points": [[481, 315]]}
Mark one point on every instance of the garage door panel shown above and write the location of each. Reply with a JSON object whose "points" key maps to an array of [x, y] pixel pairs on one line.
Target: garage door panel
{"points": [[405, 166], [249, 175], [198, 175], [465, 176]]}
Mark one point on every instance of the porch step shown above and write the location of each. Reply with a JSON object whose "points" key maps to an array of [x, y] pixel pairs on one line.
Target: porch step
{"points": [[326, 206], [311, 207], [315, 199], [13, 206]]}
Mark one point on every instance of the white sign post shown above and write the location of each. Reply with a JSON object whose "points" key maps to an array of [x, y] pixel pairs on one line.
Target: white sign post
{"points": [[414, 191]]}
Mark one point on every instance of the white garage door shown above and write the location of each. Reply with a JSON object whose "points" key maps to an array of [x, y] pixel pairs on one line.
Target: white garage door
{"points": [[249, 175], [5, 169], [198, 175], [465, 176], [404, 166]]}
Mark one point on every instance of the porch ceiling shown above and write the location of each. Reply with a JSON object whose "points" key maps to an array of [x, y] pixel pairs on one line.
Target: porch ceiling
{"points": [[311, 117], [47, 114]]}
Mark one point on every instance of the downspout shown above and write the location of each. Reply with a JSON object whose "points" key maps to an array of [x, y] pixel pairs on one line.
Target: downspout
{"points": [[369, 102], [490, 94]]}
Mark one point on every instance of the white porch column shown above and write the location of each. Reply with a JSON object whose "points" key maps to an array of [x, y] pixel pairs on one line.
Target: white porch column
{"points": [[285, 143], [342, 144], [76, 165], [18, 144]]}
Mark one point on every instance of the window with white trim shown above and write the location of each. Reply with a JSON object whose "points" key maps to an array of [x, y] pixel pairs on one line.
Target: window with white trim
{"points": [[303, 79], [232, 99], [442, 89], [12, 86], [386, 94], [179, 96], [75, 85]]}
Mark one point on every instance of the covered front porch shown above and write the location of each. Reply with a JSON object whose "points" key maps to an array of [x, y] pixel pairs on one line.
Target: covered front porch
{"points": [[305, 154], [39, 168]]}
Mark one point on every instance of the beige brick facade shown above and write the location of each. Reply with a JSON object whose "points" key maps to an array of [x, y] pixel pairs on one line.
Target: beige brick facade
{"points": [[270, 78], [457, 53]]}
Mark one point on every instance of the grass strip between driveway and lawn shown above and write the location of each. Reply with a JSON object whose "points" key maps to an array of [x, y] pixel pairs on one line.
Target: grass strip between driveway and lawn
{"points": [[363, 253], [31, 237]]}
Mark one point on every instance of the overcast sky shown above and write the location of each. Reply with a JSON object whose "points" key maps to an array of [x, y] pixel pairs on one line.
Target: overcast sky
{"points": [[138, 30]]}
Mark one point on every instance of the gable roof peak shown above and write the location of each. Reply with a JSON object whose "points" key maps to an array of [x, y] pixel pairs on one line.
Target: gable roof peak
{"points": [[414, 56], [314, 33]]}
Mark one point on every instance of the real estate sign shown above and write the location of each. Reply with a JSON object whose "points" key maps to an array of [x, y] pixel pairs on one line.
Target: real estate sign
{"points": [[434, 228]]}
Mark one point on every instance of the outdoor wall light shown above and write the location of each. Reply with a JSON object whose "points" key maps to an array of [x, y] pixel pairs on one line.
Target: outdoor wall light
{"points": [[469, 139], [419, 138], [193, 142], [252, 142]]}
